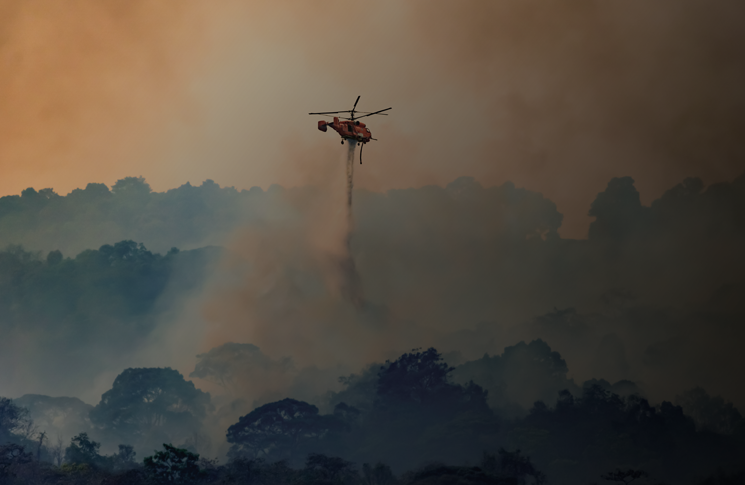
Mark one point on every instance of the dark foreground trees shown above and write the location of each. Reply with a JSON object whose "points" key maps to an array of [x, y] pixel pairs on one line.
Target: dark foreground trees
{"points": [[148, 406], [172, 465], [416, 416], [84, 451], [582, 438], [96, 307], [15, 424], [281, 430]]}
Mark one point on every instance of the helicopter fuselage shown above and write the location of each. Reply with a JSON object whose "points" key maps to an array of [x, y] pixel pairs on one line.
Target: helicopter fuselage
{"points": [[348, 130]]}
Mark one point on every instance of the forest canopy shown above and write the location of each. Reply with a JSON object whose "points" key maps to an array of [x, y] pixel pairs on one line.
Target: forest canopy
{"points": [[607, 358]]}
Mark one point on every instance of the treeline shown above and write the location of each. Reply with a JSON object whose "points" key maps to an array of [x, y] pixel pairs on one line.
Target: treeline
{"points": [[117, 281], [179, 466], [680, 250], [71, 311], [412, 414], [187, 217]]}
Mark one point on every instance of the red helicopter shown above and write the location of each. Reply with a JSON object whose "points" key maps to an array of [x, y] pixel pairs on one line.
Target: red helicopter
{"points": [[350, 129]]}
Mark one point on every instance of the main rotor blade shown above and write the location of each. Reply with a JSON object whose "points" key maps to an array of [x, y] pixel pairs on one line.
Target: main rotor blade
{"points": [[330, 112], [377, 112], [335, 112], [328, 116], [355, 103]]}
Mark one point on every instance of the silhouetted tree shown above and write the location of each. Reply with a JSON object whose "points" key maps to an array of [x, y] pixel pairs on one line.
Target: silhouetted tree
{"points": [[134, 187], [523, 374], [124, 459], [172, 466], [11, 456], [710, 413], [149, 402], [419, 380], [322, 469], [624, 476], [84, 451], [514, 465], [277, 430], [618, 211], [347, 414], [231, 364], [455, 475], [415, 377], [379, 474], [15, 423]]}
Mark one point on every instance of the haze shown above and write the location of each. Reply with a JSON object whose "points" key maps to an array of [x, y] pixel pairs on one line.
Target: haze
{"points": [[557, 97], [554, 206]]}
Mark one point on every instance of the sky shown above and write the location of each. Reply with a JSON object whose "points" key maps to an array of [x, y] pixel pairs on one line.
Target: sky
{"points": [[556, 97]]}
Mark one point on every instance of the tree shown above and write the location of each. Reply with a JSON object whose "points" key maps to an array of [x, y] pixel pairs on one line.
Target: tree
{"points": [[514, 465], [12, 455], [437, 474], [277, 430], [624, 476], [380, 474], [173, 465], [15, 423], [322, 469], [522, 375], [419, 381], [233, 364], [134, 187], [124, 459], [83, 451], [346, 413], [415, 376], [710, 413], [149, 402], [618, 211], [126, 251], [54, 257], [418, 415], [360, 389]]}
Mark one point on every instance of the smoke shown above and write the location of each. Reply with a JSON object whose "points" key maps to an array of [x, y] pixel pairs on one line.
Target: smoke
{"points": [[473, 269], [290, 284], [557, 97], [554, 96], [96, 91]]}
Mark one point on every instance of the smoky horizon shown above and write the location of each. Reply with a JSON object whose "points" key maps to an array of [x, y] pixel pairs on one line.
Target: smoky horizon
{"points": [[536, 275]]}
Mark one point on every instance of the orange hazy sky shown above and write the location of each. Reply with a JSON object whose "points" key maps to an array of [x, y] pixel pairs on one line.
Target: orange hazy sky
{"points": [[555, 96]]}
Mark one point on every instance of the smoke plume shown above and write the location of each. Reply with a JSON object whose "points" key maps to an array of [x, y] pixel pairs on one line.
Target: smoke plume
{"points": [[555, 96], [560, 98]]}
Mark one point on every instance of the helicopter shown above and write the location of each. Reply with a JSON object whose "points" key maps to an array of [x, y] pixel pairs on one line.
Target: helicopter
{"points": [[351, 129]]}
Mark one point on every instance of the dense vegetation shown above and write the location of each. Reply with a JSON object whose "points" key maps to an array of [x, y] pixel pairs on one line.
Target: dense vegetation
{"points": [[415, 414], [186, 217], [99, 305], [650, 302]]}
